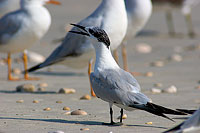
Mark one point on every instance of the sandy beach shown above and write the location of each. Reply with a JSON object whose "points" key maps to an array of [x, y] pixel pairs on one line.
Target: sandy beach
{"points": [[29, 117]]}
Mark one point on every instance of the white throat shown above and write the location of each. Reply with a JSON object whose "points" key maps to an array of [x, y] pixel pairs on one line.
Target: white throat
{"points": [[104, 58]]}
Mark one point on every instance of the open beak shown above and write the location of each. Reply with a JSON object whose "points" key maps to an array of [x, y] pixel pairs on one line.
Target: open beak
{"points": [[80, 32], [53, 2]]}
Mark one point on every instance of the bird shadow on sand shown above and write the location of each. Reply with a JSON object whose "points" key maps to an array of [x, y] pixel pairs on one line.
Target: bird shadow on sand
{"points": [[76, 122], [39, 92], [64, 74]]}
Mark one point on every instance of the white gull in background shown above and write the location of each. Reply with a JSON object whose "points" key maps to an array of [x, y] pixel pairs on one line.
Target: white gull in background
{"points": [[22, 28], [186, 8], [138, 12], [75, 50]]}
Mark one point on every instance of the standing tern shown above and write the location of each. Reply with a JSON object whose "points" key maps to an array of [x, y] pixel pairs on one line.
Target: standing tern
{"points": [[138, 13], [22, 28], [186, 7], [113, 84], [7, 6], [75, 50], [191, 124]]}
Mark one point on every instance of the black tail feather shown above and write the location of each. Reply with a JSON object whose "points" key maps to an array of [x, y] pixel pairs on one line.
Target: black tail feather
{"points": [[165, 110], [186, 111], [158, 110], [34, 68]]}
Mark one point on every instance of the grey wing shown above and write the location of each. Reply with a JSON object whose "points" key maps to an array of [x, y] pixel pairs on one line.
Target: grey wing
{"points": [[193, 121], [112, 87], [10, 24], [191, 124], [73, 44]]}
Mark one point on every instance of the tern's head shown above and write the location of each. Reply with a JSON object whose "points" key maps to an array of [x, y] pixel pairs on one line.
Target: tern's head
{"points": [[38, 2], [94, 33]]}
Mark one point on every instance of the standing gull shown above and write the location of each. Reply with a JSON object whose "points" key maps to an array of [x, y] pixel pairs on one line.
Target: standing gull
{"points": [[22, 28], [185, 6], [191, 124], [114, 85], [75, 50], [138, 13]]}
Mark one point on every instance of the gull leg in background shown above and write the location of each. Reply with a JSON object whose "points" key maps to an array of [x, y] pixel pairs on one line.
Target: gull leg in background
{"points": [[170, 24], [89, 72], [10, 69], [116, 57], [188, 20], [125, 60], [25, 60]]}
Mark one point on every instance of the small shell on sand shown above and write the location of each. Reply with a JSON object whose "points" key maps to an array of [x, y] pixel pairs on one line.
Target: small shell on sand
{"points": [[123, 117], [157, 64], [20, 101], [59, 102], [86, 97], [149, 74], [149, 123], [144, 48], [35, 101], [47, 109], [16, 71], [67, 91], [171, 89], [158, 85], [78, 112], [57, 132], [156, 91], [66, 108], [198, 87], [67, 113], [84, 129], [42, 85], [25, 88], [3, 62], [41, 89], [175, 57]]}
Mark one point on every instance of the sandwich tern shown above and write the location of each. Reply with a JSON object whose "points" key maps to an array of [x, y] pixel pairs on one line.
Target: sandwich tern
{"points": [[113, 84]]}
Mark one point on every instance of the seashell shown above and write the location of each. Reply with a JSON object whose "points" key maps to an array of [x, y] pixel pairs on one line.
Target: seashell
{"points": [[66, 108], [144, 48], [20, 101], [149, 123], [25, 88], [84, 129], [35, 101], [42, 85], [85, 97], [67, 91], [157, 64], [78, 112], [156, 91], [123, 117], [47, 109], [16, 71], [171, 89]]}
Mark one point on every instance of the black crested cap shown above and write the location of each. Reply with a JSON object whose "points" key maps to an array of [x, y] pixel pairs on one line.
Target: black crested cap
{"points": [[101, 35]]}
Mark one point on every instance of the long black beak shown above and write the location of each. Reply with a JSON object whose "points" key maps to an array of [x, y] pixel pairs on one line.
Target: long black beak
{"points": [[80, 32]]}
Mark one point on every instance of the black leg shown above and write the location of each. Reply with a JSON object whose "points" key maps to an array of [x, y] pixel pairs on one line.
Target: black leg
{"points": [[111, 120], [111, 116], [122, 112]]}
